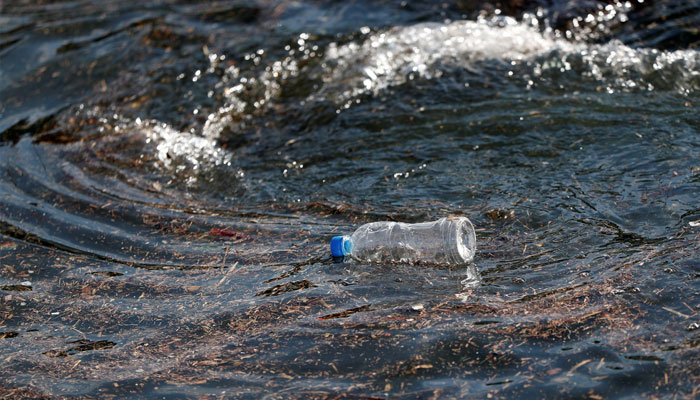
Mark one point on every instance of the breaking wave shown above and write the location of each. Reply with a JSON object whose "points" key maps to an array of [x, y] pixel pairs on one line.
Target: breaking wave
{"points": [[521, 52]]}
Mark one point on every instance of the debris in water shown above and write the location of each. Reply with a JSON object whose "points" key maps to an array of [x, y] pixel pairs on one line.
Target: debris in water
{"points": [[225, 232]]}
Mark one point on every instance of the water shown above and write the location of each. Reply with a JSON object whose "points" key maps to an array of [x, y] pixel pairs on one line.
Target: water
{"points": [[171, 173]]}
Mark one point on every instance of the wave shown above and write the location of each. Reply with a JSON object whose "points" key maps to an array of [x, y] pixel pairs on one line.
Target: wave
{"points": [[524, 52], [532, 55]]}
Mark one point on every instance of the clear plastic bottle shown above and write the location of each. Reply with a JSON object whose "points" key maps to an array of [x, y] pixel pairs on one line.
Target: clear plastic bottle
{"points": [[447, 241]]}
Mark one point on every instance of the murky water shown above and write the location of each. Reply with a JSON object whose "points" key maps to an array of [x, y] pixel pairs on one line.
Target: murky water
{"points": [[171, 174]]}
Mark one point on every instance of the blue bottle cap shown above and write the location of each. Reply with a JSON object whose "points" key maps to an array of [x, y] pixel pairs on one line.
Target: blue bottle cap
{"points": [[340, 246]]}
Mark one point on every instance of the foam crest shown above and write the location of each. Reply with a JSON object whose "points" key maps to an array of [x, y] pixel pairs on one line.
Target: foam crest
{"points": [[182, 149], [429, 50], [405, 53], [620, 67]]}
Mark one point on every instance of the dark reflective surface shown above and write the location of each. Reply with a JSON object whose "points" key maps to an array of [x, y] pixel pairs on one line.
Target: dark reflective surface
{"points": [[171, 174]]}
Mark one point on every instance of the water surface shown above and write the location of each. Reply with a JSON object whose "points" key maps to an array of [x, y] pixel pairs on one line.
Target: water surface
{"points": [[171, 174]]}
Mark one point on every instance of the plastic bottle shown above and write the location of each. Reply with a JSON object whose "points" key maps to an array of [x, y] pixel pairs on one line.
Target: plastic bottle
{"points": [[447, 241]]}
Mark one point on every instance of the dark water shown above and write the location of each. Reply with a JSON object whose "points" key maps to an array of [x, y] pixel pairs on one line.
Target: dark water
{"points": [[171, 173]]}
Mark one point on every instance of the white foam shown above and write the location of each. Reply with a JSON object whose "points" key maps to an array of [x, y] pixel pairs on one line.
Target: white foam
{"points": [[173, 146], [403, 53], [393, 57]]}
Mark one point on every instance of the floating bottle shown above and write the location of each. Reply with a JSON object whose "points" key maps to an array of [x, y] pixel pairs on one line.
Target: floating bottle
{"points": [[447, 241]]}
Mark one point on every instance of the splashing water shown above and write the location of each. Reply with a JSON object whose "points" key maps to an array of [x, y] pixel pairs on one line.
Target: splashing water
{"points": [[526, 53], [406, 53], [429, 50], [195, 150]]}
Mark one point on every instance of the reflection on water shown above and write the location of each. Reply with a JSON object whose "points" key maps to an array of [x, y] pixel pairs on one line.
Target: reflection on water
{"points": [[170, 175]]}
